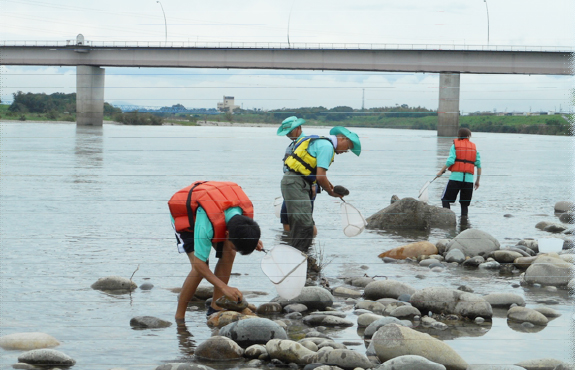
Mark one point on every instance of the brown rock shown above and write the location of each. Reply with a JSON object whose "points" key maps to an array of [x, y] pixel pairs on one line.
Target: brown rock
{"points": [[410, 250], [221, 319]]}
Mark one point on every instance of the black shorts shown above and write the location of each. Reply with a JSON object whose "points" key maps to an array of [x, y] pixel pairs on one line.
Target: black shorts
{"points": [[455, 187], [187, 239]]}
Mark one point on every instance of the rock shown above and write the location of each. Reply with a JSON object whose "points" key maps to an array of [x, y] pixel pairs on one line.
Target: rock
{"points": [[255, 351], [529, 243], [494, 367], [314, 298], [386, 289], [451, 301], [409, 213], [366, 319], [339, 314], [269, 308], [289, 351], [219, 348], [549, 270], [523, 263], [375, 307], [309, 344], [441, 245], [28, 341], [547, 312], [504, 299], [564, 206], [506, 256], [568, 218], [227, 304], [221, 319], [344, 358], [46, 357], [473, 242], [345, 292], [253, 331], [523, 314], [428, 262], [183, 366], [204, 292], [146, 286], [341, 190], [405, 311], [361, 281], [473, 261], [555, 228], [374, 326], [326, 320], [490, 265], [295, 307], [542, 364], [148, 322], [410, 362], [415, 250], [394, 198], [455, 255], [116, 284], [393, 340]]}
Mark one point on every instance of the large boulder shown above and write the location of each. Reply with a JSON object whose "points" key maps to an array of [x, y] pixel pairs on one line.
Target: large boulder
{"points": [[409, 213], [473, 242], [218, 348], [387, 289], [253, 331], [393, 340], [28, 341], [451, 301], [115, 284], [46, 357], [549, 269], [410, 250], [313, 297]]}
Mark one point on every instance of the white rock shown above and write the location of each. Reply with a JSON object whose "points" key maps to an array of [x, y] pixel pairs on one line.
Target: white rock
{"points": [[28, 341]]}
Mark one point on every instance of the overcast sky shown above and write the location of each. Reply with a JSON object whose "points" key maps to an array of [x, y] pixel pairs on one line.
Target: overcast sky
{"points": [[463, 22]]}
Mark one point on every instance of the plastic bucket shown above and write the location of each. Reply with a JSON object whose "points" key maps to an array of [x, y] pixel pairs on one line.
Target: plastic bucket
{"points": [[550, 245]]}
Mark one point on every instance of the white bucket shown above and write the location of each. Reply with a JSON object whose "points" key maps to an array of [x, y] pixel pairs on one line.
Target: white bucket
{"points": [[352, 221], [278, 206], [550, 245], [286, 267]]}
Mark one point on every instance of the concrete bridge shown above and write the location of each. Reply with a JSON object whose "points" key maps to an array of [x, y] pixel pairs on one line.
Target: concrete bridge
{"points": [[447, 60]]}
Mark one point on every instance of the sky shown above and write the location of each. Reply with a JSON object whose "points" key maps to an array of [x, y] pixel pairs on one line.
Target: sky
{"points": [[442, 22]]}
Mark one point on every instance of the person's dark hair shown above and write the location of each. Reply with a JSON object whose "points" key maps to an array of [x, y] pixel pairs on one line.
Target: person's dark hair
{"points": [[463, 133], [244, 233]]}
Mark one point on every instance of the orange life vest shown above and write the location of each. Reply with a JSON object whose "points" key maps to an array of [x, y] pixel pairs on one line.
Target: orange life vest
{"points": [[465, 156], [214, 197]]}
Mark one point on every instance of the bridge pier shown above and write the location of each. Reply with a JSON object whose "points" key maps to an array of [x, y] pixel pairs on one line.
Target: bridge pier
{"points": [[89, 95], [448, 111]]}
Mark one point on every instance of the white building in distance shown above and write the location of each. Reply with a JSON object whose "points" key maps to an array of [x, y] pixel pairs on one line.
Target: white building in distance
{"points": [[227, 104]]}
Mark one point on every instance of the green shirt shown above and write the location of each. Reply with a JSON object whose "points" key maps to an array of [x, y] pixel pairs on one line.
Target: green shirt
{"points": [[204, 231], [323, 151], [461, 176]]}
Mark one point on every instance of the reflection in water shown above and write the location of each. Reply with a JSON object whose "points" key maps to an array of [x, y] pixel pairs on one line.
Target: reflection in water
{"points": [[186, 343], [525, 327], [88, 149]]}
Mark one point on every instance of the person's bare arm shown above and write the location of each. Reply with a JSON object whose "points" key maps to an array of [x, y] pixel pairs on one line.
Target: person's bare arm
{"points": [[323, 181], [477, 180], [203, 269]]}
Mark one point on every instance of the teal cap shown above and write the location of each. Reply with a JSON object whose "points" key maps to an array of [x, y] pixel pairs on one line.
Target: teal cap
{"points": [[350, 135], [289, 124]]}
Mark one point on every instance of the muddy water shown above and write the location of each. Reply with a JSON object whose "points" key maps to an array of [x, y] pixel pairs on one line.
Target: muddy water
{"points": [[78, 204]]}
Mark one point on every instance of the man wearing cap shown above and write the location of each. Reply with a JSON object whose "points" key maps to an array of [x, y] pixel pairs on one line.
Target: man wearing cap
{"points": [[291, 128], [307, 165]]}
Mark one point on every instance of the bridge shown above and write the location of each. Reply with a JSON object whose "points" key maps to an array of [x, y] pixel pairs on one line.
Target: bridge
{"points": [[449, 61]]}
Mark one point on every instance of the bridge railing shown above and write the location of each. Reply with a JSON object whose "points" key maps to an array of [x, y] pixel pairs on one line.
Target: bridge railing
{"points": [[284, 45]]}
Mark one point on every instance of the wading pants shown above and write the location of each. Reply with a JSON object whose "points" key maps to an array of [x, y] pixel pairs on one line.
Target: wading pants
{"points": [[296, 193]]}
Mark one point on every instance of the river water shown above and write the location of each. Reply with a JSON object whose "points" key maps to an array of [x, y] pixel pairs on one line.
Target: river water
{"points": [[80, 203]]}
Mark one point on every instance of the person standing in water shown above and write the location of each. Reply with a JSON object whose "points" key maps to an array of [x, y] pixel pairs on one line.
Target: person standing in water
{"points": [[462, 160]]}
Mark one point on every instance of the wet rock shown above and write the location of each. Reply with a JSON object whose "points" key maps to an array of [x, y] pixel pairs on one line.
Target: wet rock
{"points": [[255, 351], [504, 299], [313, 297], [473, 242], [309, 344], [465, 288], [345, 292], [530, 243], [441, 245], [542, 364], [375, 307], [326, 320], [46, 357], [494, 367], [455, 255], [219, 348], [387, 289], [204, 292], [473, 261], [555, 228], [394, 198], [506, 256], [183, 366], [490, 265], [450, 301], [392, 341], [404, 297], [294, 316], [415, 250], [523, 263], [523, 314], [410, 362], [332, 313], [361, 281], [295, 307], [428, 262], [344, 358], [116, 284], [519, 248], [253, 331], [547, 312], [549, 269], [409, 213], [221, 319], [568, 218], [564, 206], [374, 326], [405, 312], [289, 351], [148, 322], [366, 319], [228, 304], [146, 286], [269, 308], [28, 341]]}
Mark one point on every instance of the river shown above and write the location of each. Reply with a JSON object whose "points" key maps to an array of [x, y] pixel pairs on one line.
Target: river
{"points": [[80, 203]]}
